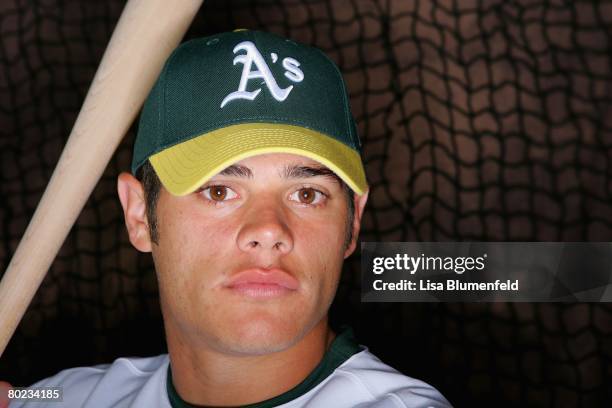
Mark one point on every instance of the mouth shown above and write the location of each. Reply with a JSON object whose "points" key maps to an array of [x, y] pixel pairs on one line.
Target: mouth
{"points": [[262, 283]]}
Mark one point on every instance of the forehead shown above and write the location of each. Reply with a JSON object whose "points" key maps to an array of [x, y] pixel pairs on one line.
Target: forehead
{"points": [[282, 164]]}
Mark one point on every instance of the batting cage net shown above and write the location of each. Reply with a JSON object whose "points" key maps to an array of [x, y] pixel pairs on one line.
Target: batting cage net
{"points": [[480, 120]]}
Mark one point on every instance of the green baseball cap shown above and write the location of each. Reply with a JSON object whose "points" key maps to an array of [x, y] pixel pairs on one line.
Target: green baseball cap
{"points": [[234, 95]]}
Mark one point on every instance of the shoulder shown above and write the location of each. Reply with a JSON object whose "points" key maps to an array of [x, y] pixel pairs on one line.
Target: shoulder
{"points": [[365, 381], [118, 384]]}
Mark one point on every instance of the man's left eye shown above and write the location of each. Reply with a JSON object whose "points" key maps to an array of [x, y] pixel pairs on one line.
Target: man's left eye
{"points": [[308, 196], [219, 193]]}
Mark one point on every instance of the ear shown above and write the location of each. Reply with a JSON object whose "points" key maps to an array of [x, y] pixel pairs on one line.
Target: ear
{"points": [[360, 203], [131, 195]]}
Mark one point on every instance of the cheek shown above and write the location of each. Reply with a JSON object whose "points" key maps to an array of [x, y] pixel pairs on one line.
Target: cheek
{"points": [[190, 249], [321, 251], [190, 235]]}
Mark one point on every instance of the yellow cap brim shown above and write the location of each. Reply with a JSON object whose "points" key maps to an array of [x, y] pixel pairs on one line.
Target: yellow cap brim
{"points": [[185, 167]]}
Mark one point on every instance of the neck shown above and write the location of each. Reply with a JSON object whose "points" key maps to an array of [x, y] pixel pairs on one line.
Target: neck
{"points": [[203, 377]]}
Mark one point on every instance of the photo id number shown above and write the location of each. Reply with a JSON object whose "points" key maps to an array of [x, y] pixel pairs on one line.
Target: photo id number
{"points": [[50, 394]]}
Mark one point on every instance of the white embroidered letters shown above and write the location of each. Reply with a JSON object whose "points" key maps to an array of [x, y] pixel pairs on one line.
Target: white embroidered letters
{"points": [[253, 56], [294, 73]]}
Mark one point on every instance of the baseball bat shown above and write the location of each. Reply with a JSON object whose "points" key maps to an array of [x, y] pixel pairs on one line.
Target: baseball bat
{"points": [[145, 35]]}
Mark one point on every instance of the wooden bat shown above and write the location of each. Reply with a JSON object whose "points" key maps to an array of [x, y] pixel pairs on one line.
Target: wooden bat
{"points": [[146, 34]]}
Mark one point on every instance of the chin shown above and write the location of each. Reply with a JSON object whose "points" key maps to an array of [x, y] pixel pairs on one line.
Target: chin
{"points": [[261, 336]]}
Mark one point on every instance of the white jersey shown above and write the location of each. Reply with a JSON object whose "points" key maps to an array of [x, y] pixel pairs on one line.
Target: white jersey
{"points": [[361, 380]]}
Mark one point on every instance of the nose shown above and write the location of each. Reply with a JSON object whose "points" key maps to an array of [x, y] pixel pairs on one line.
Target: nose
{"points": [[265, 230]]}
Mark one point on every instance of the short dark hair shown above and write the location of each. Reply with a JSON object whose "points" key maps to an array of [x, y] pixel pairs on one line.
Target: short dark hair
{"points": [[152, 187]]}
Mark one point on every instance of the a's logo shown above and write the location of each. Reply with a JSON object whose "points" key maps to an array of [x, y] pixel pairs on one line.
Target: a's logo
{"points": [[253, 56]]}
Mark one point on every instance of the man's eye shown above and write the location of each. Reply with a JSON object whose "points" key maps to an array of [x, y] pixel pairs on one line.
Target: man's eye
{"points": [[219, 193], [308, 196]]}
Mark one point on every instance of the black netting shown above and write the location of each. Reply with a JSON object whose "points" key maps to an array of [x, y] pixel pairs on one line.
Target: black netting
{"points": [[481, 120]]}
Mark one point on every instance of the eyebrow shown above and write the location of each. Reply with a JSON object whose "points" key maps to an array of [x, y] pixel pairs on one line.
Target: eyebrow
{"points": [[308, 171], [237, 170]]}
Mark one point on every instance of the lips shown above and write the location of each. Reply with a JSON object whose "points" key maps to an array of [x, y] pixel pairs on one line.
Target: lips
{"points": [[260, 282]]}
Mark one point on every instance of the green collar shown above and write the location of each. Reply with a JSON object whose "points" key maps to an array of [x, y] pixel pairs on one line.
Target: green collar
{"points": [[343, 347]]}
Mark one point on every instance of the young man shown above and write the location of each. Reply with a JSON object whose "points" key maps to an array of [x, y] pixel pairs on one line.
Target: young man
{"points": [[250, 195]]}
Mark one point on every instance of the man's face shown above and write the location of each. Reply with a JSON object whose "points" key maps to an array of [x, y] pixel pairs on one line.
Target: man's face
{"points": [[250, 263]]}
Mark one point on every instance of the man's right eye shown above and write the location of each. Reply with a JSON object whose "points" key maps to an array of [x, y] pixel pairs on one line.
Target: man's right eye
{"points": [[219, 193]]}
